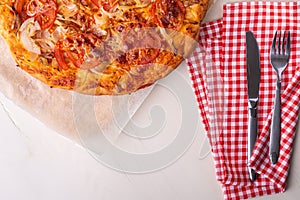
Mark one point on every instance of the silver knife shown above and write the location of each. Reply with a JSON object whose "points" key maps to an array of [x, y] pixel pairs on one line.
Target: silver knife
{"points": [[253, 79]]}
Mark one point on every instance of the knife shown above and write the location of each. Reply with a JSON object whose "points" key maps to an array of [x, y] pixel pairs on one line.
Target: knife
{"points": [[253, 79]]}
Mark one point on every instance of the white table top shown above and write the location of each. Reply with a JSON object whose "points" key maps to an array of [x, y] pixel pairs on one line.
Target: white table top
{"points": [[38, 163]]}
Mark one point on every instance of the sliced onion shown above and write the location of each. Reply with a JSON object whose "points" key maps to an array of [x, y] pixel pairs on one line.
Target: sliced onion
{"points": [[58, 33], [43, 34], [46, 45], [26, 31], [38, 8], [168, 38], [69, 10], [100, 68]]}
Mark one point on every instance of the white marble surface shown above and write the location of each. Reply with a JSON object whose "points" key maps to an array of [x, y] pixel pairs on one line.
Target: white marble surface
{"points": [[37, 163]]}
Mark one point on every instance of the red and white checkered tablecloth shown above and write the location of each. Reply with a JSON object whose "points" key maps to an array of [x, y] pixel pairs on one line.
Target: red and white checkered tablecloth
{"points": [[218, 72]]}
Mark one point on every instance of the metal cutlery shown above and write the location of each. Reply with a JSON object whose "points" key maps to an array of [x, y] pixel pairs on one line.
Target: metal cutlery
{"points": [[253, 80], [280, 54]]}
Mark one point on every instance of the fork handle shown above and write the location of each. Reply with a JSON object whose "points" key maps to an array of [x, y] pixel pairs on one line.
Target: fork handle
{"points": [[276, 126]]}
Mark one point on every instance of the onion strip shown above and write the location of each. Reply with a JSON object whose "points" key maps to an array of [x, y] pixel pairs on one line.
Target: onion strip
{"points": [[26, 31]]}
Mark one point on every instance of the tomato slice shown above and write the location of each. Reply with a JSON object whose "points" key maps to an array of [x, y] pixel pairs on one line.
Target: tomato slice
{"points": [[59, 56], [96, 2], [19, 5], [106, 4], [46, 19], [44, 11], [168, 13], [74, 49]]}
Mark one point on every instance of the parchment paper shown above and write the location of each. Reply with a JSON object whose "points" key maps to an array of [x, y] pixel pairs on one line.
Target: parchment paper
{"points": [[55, 107]]}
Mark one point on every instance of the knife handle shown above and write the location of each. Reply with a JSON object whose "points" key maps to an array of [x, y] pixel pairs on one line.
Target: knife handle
{"points": [[276, 127], [252, 135]]}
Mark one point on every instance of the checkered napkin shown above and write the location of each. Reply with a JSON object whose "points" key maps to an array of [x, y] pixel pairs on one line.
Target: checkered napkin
{"points": [[218, 73]]}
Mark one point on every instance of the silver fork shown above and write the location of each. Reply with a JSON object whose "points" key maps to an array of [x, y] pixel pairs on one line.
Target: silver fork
{"points": [[280, 54]]}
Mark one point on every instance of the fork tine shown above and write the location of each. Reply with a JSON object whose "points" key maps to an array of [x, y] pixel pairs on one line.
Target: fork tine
{"points": [[284, 42], [274, 43], [279, 42], [288, 50]]}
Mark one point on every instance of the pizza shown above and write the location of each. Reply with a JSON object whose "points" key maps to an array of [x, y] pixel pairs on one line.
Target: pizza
{"points": [[100, 47]]}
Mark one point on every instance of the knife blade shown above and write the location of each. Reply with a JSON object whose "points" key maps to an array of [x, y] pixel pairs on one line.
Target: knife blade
{"points": [[253, 80]]}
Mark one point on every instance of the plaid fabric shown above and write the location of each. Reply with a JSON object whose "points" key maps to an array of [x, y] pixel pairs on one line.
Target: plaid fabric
{"points": [[218, 73]]}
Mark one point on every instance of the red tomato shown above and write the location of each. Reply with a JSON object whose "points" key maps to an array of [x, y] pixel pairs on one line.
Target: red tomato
{"points": [[96, 2], [46, 19], [44, 11], [168, 13], [74, 49], [18, 5]]}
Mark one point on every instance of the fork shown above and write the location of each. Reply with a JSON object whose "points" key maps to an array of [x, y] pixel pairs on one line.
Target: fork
{"points": [[280, 54]]}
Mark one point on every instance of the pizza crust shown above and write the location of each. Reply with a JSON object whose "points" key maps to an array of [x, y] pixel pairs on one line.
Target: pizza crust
{"points": [[56, 108]]}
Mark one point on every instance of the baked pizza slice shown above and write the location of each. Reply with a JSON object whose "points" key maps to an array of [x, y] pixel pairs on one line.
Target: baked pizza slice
{"points": [[100, 47]]}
